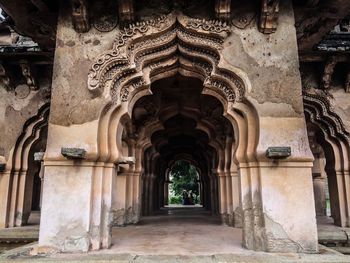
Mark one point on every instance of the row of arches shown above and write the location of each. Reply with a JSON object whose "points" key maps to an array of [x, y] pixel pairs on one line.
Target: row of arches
{"points": [[168, 94], [327, 131], [22, 177]]}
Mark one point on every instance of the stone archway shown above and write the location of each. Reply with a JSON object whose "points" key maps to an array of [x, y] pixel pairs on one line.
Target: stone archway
{"points": [[334, 140], [161, 48], [19, 174], [142, 54]]}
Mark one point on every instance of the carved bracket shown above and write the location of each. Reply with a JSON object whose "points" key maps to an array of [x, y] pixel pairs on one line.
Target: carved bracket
{"points": [[127, 160], [278, 152], [27, 73], [269, 16], [39, 156], [126, 11], [328, 72], [223, 9], [80, 16], [4, 78], [73, 153]]}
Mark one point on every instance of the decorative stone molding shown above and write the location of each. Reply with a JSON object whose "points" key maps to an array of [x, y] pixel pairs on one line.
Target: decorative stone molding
{"points": [[173, 43], [27, 73], [268, 16], [80, 15]]}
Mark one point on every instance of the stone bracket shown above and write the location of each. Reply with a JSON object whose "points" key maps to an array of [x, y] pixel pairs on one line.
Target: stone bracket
{"points": [[328, 72], [80, 16], [278, 152], [27, 73], [223, 9], [126, 160], [39, 156], [126, 11], [268, 16], [73, 153]]}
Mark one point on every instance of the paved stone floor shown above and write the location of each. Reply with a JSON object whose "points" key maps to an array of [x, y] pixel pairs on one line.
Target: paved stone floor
{"points": [[188, 230], [174, 234]]}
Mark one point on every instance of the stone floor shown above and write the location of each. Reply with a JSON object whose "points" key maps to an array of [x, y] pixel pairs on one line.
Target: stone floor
{"points": [[174, 234], [179, 230]]}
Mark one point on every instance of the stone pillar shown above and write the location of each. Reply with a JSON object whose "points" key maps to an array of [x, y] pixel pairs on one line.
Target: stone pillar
{"points": [[5, 179], [41, 176], [319, 184], [166, 193], [77, 206]]}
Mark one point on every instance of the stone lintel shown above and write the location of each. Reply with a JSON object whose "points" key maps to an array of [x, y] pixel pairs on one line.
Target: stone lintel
{"points": [[278, 152], [73, 153]]}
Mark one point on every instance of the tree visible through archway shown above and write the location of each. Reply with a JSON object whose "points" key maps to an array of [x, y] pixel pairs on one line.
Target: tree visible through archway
{"points": [[183, 177]]}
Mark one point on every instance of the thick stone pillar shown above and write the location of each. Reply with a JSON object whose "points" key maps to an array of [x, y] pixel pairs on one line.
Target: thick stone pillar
{"points": [[5, 180], [319, 184], [77, 206]]}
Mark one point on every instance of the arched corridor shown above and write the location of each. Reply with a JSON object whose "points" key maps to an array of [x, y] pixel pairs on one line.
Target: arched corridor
{"points": [[177, 122]]}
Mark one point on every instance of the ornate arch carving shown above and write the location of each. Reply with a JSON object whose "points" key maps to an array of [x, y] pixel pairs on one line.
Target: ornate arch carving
{"points": [[336, 142], [319, 111], [170, 44]]}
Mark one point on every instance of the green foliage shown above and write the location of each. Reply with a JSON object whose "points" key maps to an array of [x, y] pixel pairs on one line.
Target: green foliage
{"points": [[184, 177], [175, 200]]}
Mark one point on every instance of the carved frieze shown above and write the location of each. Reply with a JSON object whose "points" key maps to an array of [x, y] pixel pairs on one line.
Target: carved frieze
{"points": [[173, 43], [268, 16]]}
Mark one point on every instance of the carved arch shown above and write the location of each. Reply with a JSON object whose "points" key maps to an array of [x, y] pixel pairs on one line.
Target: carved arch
{"points": [[335, 141], [174, 44], [17, 166]]}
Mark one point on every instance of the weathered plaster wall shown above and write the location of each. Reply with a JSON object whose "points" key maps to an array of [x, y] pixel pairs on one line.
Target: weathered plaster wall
{"points": [[271, 63], [17, 105]]}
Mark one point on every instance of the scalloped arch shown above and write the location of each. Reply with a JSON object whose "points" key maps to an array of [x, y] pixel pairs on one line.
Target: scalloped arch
{"points": [[170, 44]]}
